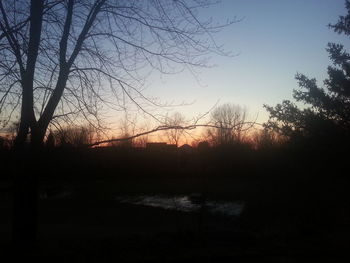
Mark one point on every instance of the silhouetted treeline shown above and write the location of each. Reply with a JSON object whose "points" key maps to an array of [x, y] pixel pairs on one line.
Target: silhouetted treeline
{"points": [[295, 195]]}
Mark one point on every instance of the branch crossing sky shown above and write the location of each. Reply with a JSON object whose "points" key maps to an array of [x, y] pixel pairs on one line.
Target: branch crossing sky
{"points": [[275, 40]]}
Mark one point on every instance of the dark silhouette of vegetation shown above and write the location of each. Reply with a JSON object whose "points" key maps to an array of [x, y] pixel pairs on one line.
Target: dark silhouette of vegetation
{"points": [[325, 115], [72, 137], [266, 139], [60, 55], [174, 135], [289, 179], [291, 210], [230, 122], [63, 61]]}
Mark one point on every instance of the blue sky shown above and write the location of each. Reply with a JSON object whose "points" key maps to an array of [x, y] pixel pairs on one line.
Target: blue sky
{"points": [[275, 40]]}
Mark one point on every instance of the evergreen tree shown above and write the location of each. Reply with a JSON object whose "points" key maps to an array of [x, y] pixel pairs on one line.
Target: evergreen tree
{"points": [[325, 115]]}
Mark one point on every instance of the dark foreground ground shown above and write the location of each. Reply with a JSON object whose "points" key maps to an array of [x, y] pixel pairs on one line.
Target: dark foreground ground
{"points": [[296, 209]]}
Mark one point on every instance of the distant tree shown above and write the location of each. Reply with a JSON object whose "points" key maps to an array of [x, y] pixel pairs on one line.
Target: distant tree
{"points": [[203, 146], [175, 120], [127, 127], [230, 122], [62, 59], [72, 136], [326, 111], [266, 139], [140, 141], [122, 141]]}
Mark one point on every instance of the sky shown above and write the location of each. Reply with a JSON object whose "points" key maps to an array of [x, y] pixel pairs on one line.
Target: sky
{"points": [[274, 40]]}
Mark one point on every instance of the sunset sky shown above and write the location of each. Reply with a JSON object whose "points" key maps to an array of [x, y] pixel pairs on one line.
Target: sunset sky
{"points": [[275, 40], [270, 43]]}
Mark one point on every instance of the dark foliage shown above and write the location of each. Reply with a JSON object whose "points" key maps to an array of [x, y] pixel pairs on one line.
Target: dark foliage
{"points": [[325, 115]]}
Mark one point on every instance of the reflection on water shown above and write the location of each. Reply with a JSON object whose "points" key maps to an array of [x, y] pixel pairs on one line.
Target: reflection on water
{"points": [[185, 203]]}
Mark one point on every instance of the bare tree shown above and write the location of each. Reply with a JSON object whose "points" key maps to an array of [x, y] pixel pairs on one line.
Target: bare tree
{"points": [[127, 129], [176, 119], [67, 60], [142, 141], [230, 124], [73, 136], [62, 59], [266, 139]]}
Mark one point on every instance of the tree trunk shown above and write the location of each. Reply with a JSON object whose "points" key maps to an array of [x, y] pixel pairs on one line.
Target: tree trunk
{"points": [[27, 116], [25, 180], [21, 136], [37, 137], [24, 226]]}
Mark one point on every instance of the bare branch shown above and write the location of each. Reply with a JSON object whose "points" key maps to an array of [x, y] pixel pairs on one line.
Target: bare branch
{"points": [[164, 128]]}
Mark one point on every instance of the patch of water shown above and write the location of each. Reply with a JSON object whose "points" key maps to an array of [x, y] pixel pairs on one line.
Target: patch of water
{"points": [[226, 208], [185, 203]]}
